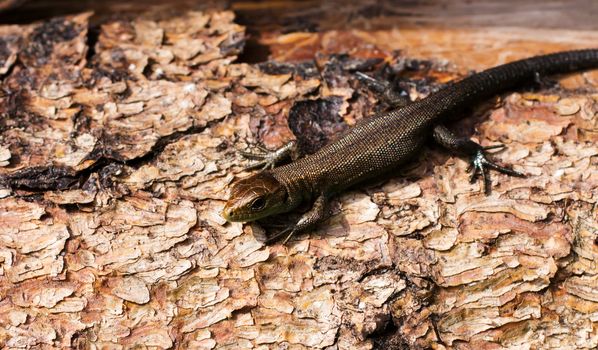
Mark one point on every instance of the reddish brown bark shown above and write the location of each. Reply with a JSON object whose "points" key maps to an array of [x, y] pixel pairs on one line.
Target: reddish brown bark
{"points": [[116, 158]]}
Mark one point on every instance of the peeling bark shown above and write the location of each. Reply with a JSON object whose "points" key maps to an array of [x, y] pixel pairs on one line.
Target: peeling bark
{"points": [[115, 161]]}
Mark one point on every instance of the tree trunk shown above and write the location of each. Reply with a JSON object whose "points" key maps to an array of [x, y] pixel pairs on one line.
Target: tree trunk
{"points": [[119, 139]]}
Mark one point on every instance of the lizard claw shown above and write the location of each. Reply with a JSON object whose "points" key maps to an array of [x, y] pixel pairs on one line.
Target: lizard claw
{"points": [[308, 220], [266, 159], [289, 232], [375, 85], [262, 158], [262, 161], [479, 165], [384, 90], [497, 146]]}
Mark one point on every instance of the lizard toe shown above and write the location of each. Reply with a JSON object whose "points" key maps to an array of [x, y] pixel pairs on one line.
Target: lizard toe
{"points": [[480, 165]]}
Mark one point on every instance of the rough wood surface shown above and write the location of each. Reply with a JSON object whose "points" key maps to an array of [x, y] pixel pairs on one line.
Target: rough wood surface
{"points": [[115, 160]]}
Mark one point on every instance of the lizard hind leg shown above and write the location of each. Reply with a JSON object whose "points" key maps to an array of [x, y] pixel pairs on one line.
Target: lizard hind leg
{"points": [[267, 159], [479, 162]]}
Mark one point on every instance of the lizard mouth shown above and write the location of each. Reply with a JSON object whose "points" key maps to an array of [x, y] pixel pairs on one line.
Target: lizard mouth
{"points": [[229, 214]]}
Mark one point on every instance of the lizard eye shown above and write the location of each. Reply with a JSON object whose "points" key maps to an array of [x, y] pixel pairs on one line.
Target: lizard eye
{"points": [[258, 204]]}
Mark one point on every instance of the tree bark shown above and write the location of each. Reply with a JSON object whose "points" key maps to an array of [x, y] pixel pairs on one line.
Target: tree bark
{"points": [[117, 147]]}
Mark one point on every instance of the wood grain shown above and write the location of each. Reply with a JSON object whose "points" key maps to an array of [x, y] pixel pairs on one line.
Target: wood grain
{"points": [[118, 140]]}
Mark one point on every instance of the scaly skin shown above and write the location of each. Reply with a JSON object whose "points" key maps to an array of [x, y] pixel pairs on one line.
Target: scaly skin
{"points": [[383, 142]]}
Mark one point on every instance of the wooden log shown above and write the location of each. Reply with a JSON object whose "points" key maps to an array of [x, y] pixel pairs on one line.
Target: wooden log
{"points": [[117, 147]]}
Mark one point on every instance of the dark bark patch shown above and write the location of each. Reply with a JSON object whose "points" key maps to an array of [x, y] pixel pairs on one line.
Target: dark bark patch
{"points": [[315, 122], [40, 46]]}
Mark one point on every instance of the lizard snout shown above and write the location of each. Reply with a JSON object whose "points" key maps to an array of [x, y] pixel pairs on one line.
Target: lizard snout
{"points": [[227, 213]]}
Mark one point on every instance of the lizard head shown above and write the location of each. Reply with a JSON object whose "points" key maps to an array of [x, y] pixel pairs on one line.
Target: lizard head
{"points": [[255, 197]]}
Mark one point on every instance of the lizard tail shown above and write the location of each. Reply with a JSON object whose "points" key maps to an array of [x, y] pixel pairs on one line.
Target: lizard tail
{"points": [[499, 79]]}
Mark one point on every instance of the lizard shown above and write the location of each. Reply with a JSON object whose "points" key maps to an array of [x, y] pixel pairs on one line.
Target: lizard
{"points": [[381, 143]]}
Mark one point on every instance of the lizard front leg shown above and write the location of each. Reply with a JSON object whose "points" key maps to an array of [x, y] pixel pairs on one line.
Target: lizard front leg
{"points": [[476, 153], [385, 91], [267, 159], [318, 213]]}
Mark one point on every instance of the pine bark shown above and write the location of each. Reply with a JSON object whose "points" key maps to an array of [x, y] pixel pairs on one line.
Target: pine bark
{"points": [[117, 146]]}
